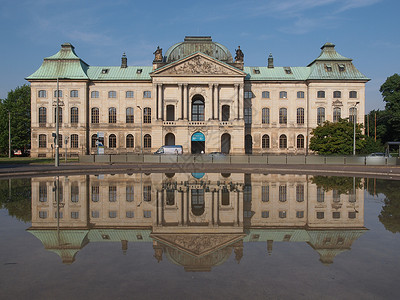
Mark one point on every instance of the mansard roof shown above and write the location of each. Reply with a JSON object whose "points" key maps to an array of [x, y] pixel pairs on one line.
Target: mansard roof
{"points": [[329, 65]]}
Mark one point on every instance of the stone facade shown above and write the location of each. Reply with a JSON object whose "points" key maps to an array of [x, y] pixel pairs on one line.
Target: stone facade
{"points": [[196, 96]]}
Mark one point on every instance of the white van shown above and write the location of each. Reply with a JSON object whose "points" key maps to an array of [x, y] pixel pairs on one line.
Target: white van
{"points": [[175, 149]]}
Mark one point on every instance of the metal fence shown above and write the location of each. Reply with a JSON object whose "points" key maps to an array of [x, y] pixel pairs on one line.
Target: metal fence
{"points": [[241, 159]]}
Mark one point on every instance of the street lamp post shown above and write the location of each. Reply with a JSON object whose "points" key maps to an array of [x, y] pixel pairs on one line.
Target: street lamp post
{"points": [[354, 122], [9, 134], [141, 129], [57, 157]]}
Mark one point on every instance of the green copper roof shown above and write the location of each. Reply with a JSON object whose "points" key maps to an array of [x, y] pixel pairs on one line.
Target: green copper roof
{"points": [[64, 64], [118, 73], [329, 53], [277, 73]]}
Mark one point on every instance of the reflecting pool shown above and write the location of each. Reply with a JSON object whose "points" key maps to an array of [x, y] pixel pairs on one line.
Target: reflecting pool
{"points": [[199, 235]]}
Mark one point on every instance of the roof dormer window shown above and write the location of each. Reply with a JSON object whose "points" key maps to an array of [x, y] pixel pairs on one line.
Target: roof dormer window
{"points": [[139, 71], [328, 68], [287, 70], [256, 71], [104, 71], [342, 68]]}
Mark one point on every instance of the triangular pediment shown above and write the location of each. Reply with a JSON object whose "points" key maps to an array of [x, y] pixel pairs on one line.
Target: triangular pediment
{"points": [[198, 244], [198, 64]]}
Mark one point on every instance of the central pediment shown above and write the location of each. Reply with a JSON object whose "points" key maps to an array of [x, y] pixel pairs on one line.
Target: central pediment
{"points": [[197, 245], [198, 64]]}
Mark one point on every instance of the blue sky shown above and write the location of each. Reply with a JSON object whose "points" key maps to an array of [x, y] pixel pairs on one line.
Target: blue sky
{"points": [[293, 30]]}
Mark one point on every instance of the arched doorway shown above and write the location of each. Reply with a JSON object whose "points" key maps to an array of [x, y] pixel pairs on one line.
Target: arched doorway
{"points": [[198, 143], [226, 143], [169, 139], [248, 144]]}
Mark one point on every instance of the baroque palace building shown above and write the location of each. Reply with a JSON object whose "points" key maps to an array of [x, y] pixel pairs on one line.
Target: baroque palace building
{"points": [[196, 95]]}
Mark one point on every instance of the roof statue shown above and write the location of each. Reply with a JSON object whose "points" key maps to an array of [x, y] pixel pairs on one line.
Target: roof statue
{"points": [[239, 55], [158, 54]]}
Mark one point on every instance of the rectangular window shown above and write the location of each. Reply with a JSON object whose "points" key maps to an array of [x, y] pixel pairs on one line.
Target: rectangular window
{"points": [[320, 215], [321, 94], [147, 94], [59, 93], [283, 95], [300, 94], [336, 215], [300, 193], [247, 115], [129, 94], [42, 94], [112, 94], [248, 95], [282, 214], [112, 214], [147, 193], [95, 214], [112, 193], [74, 214], [352, 214], [43, 214], [265, 193], [130, 214], [74, 94], [42, 192], [129, 193], [94, 94], [320, 194], [282, 193], [147, 213], [300, 214], [95, 193], [56, 215]]}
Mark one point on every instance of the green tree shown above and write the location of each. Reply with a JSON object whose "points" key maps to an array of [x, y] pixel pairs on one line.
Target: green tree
{"points": [[344, 185], [18, 103], [15, 196], [390, 91], [336, 138]]}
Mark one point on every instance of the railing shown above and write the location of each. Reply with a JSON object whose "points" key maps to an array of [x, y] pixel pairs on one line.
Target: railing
{"points": [[197, 123], [241, 159]]}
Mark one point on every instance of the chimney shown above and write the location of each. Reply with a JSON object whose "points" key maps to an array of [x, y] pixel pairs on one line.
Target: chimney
{"points": [[270, 61], [124, 61]]}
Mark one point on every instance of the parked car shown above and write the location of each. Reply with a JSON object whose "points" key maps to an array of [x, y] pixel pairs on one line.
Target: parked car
{"points": [[175, 149], [379, 154]]}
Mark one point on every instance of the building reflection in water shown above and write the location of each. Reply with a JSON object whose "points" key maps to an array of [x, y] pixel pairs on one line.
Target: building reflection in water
{"points": [[194, 220]]}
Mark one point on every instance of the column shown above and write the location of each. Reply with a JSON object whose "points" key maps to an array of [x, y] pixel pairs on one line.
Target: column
{"points": [[189, 106], [180, 88], [216, 101], [236, 107], [159, 102], [209, 113], [241, 101], [185, 102]]}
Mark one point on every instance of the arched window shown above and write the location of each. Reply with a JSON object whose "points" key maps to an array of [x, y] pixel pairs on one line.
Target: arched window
{"points": [[336, 114], [352, 94], [42, 141], [129, 141], [112, 141], [282, 116], [147, 115], [74, 141], [265, 94], [300, 141], [282, 141], [95, 115], [321, 94], [283, 95], [94, 94], [320, 115], [112, 94], [147, 141], [265, 141], [300, 94], [226, 111], [42, 94], [74, 115], [74, 94], [94, 141], [300, 115], [170, 112], [112, 115], [265, 115], [129, 115], [59, 115], [352, 114], [337, 94], [198, 109], [42, 116]]}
